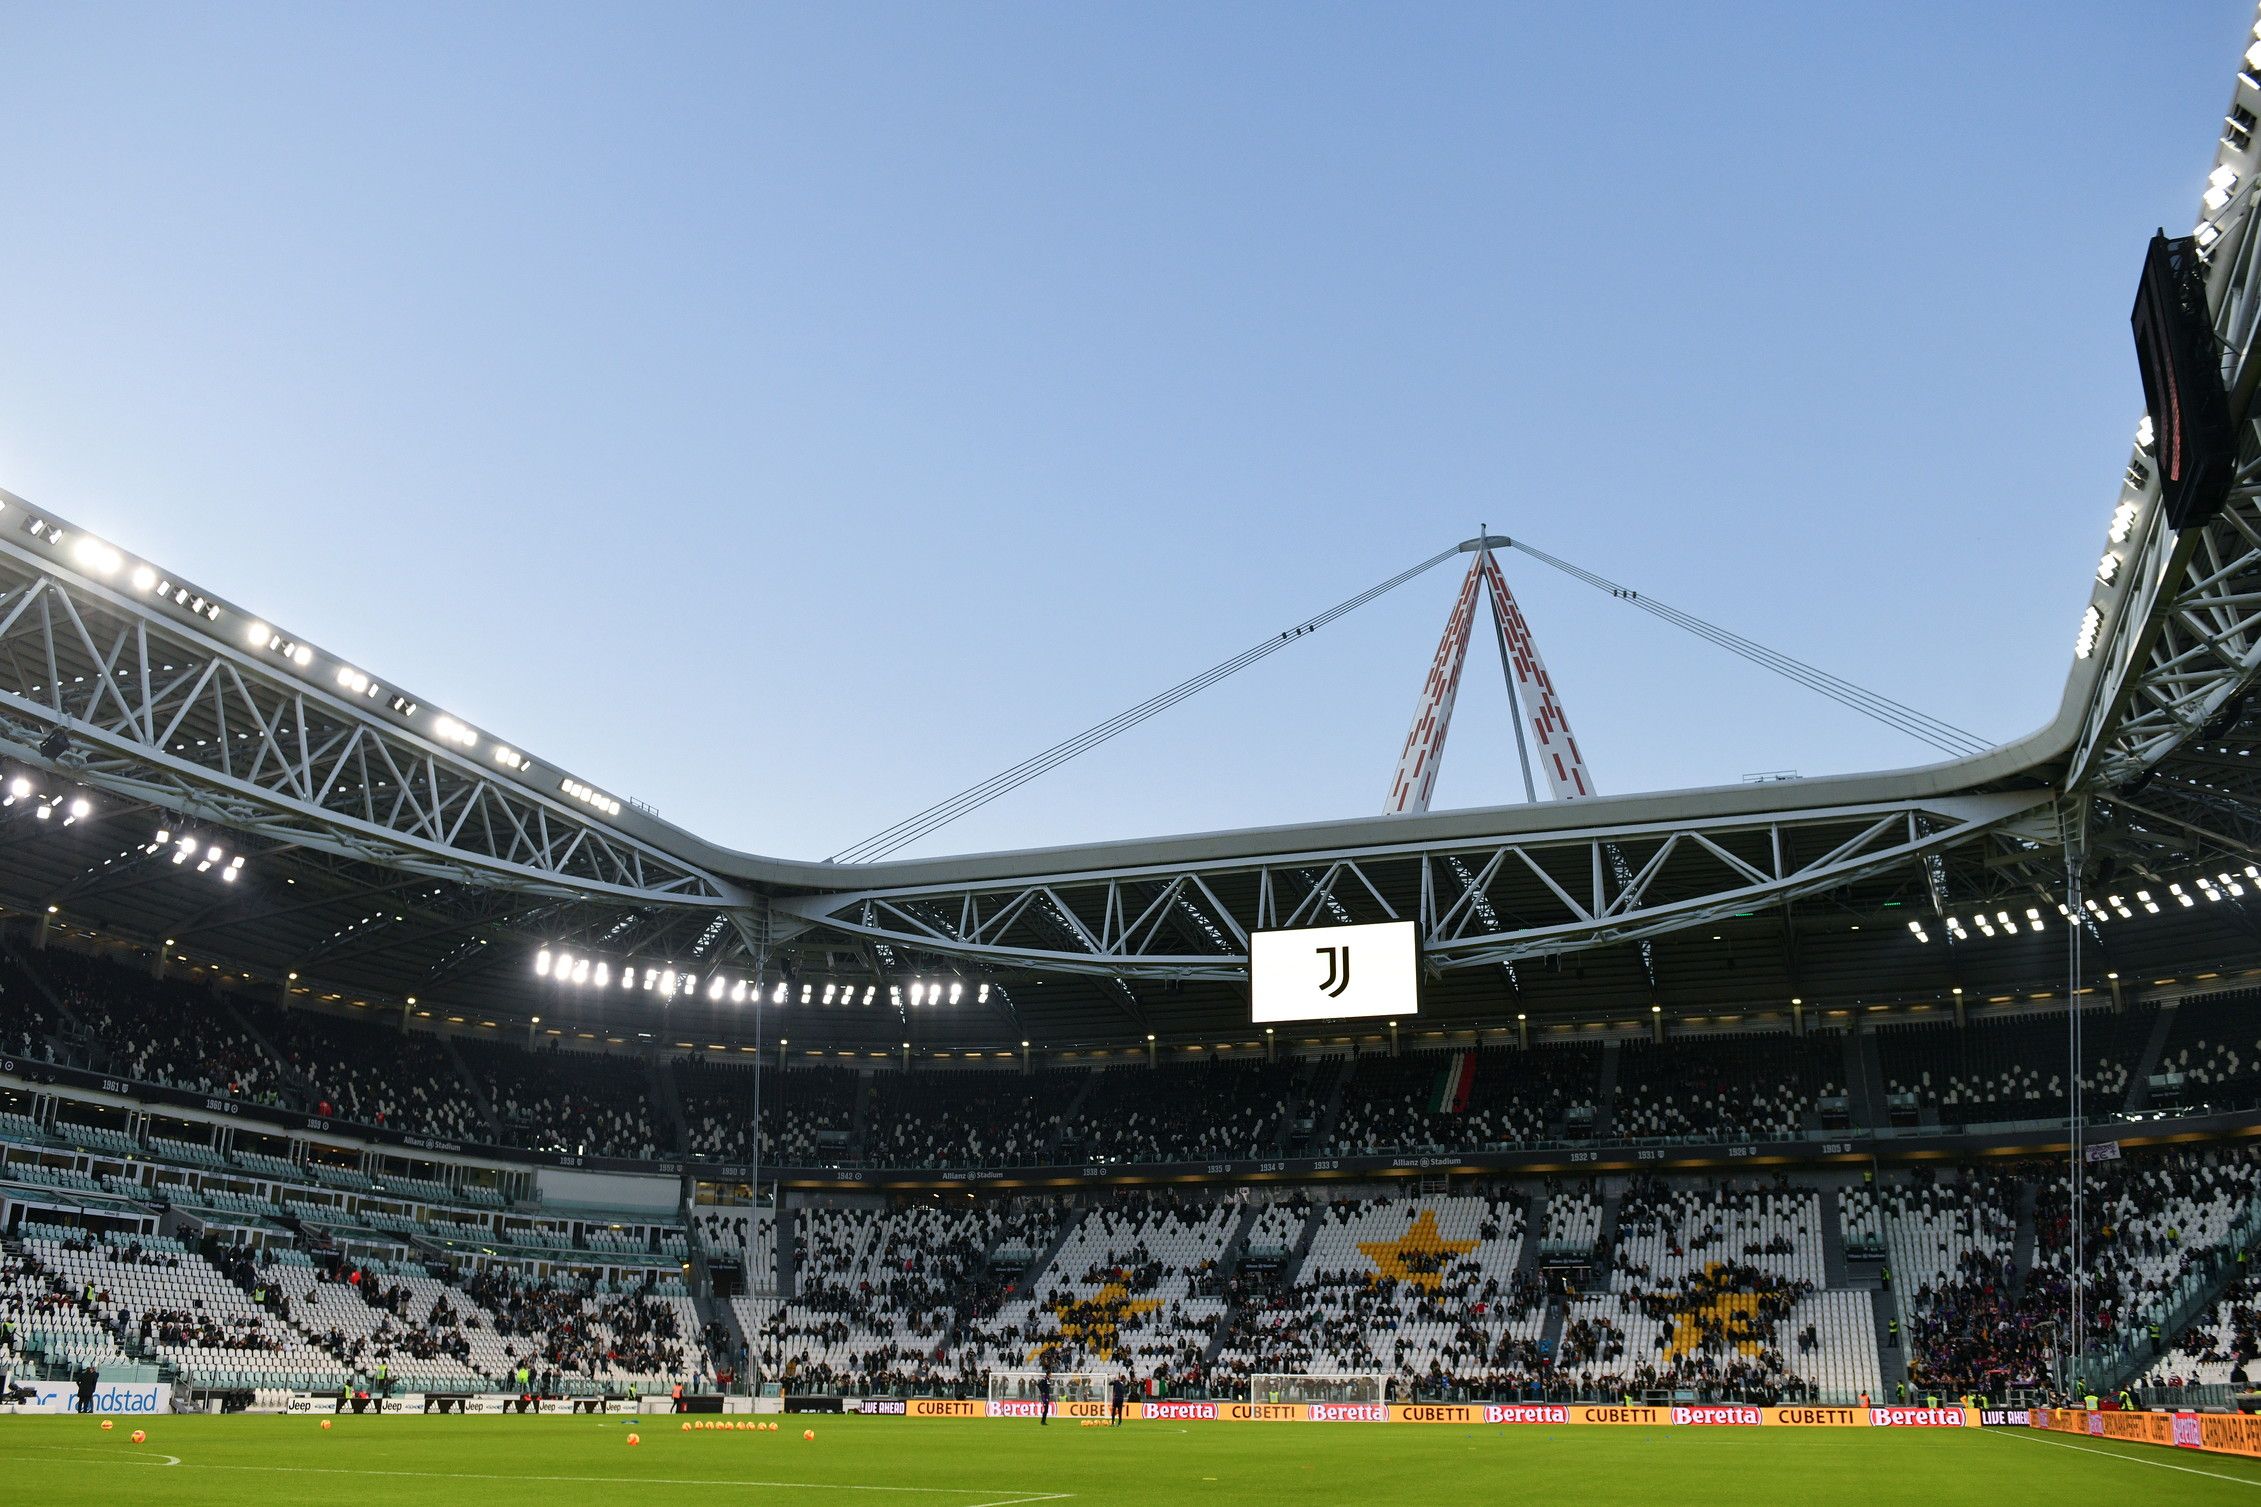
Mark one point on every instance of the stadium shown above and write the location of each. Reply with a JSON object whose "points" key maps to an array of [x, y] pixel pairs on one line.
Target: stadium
{"points": [[386, 1108]]}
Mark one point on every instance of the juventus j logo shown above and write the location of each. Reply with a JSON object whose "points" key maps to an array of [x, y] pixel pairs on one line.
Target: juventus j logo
{"points": [[1338, 970]]}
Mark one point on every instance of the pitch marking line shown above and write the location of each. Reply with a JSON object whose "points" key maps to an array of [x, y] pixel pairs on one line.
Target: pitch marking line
{"points": [[136, 1455], [1010, 1499], [2113, 1454]]}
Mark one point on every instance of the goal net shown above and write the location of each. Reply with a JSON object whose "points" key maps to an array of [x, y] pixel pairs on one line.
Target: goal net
{"points": [[1067, 1386], [1305, 1387]]}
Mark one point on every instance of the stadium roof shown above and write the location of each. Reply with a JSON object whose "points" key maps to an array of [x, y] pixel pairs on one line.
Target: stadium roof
{"points": [[389, 851]]}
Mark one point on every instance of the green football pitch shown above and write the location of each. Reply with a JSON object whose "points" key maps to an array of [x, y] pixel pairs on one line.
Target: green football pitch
{"points": [[894, 1462]]}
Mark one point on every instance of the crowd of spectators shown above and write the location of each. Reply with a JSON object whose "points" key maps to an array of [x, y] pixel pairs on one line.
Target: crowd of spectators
{"points": [[160, 1031], [1216, 1111], [2014, 1068], [967, 1118], [806, 1114], [1445, 1100], [371, 1073], [1736, 1087], [551, 1099]]}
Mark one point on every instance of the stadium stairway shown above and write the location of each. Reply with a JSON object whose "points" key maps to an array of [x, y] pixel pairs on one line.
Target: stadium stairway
{"points": [[1069, 1116], [1236, 1247], [1605, 1244], [1298, 1094], [1605, 1099], [37, 978], [1051, 1253], [1228, 1267], [788, 1251], [2021, 1246], [1304, 1123], [1330, 1111], [1557, 1311], [1864, 1080], [470, 1082], [1306, 1240], [859, 1111], [1534, 1220], [1891, 1359], [1836, 1266], [2139, 1081], [242, 1023], [674, 1132]]}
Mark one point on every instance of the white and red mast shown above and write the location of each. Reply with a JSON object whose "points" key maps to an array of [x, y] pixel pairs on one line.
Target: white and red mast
{"points": [[1539, 713]]}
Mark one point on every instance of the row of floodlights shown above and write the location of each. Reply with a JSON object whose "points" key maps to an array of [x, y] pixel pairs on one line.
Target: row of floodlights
{"points": [[46, 805], [2237, 139], [2124, 515], [582, 971], [104, 561], [187, 848], [2123, 907]]}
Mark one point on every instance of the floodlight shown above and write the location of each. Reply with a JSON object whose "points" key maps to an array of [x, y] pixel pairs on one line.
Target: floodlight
{"points": [[92, 554], [143, 578]]}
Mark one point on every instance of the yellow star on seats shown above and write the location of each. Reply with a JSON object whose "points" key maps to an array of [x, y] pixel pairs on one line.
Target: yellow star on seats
{"points": [[1698, 1317], [1096, 1322], [1416, 1257]]}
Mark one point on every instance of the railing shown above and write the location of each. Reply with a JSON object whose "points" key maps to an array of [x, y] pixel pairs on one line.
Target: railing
{"points": [[2192, 1293], [2209, 1397]]}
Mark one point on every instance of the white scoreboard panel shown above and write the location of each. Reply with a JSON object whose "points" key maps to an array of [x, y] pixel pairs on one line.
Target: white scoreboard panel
{"points": [[1333, 972]]}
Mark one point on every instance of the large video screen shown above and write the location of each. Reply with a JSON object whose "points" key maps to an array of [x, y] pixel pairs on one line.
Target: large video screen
{"points": [[1333, 972]]}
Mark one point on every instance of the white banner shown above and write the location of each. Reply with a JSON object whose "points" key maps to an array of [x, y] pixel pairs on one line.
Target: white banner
{"points": [[1333, 972]]}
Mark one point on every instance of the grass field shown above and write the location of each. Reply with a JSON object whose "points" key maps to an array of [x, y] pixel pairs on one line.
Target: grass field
{"points": [[893, 1462]]}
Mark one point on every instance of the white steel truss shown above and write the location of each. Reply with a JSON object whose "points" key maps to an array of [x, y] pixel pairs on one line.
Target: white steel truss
{"points": [[183, 721], [2177, 615], [1477, 902]]}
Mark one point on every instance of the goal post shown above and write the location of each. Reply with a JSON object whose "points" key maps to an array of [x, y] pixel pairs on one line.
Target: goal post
{"points": [[1305, 1386], [1067, 1386]]}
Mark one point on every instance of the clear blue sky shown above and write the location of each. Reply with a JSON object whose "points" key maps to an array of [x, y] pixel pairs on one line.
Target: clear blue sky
{"points": [[789, 414]]}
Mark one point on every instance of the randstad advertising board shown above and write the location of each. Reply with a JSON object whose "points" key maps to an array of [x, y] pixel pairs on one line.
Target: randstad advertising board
{"points": [[118, 1397]]}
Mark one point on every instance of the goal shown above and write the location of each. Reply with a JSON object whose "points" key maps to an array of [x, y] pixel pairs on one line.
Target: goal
{"points": [[1067, 1386], [1300, 1386]]}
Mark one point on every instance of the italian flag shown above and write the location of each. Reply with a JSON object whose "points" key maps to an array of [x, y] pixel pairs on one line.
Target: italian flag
{"points": [[1449, 1094]]}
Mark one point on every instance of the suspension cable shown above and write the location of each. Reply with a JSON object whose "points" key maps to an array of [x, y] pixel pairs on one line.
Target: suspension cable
{"points": [[1944, 736], [911, 828]]}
